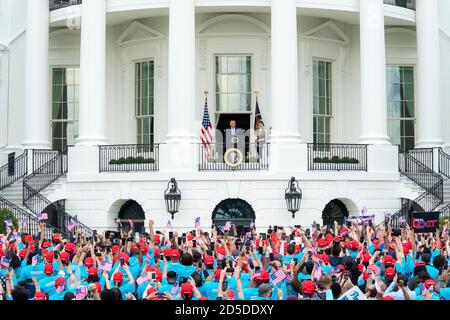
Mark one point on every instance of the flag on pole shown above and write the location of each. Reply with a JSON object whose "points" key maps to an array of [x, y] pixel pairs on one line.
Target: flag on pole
{"points": [[197, 222], [8, 223], [227, 226], [42, 216], [278, 276], [259, 122], [169, 225], [206, 132]]}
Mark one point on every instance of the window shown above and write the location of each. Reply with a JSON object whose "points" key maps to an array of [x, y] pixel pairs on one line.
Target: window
{"points": [[233, 83], [401, 106], [65, 106], [322, 101], [144, 86]]}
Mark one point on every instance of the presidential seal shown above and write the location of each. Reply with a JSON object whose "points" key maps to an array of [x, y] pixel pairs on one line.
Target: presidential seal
{"points": [[233, 157]]}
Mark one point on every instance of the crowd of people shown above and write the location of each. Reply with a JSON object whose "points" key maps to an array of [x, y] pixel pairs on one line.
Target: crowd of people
{"points": [[283, 263]]}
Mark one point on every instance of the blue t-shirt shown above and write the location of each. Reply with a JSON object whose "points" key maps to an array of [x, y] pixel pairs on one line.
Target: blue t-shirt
{"points": [[211, 290], [185, 271], [47, 285], [251, 294]]}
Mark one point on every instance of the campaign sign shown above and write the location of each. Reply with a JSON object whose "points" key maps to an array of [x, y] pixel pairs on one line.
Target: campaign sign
{"points": [[424, 222], [353, 294]]}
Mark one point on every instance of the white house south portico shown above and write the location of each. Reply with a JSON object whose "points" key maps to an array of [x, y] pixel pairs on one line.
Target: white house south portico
{"points": [[350, 94]]}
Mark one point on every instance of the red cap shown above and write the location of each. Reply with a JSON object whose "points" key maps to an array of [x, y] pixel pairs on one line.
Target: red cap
{"points": [[175, 253], [428, 283], [150, 291], [203, 298], [12, 247], [99, 287], [157, 238], [189, 237], [341, 267], [389, 273], [405, 249], [360, 267], [49, 256], [354, 244], [366, 257], [46, 244], [144, 248], [88, 262], [322, 243], [308, 287], [387, 298], [64, 256], [92, 271], [156, 251], [209, 260], [60, 281], [69, 247], [22, 253], [118, 277], [419, 264], [114, 248], [48, 269], [221, 250], [217, 275], [388, 260], [187, 289], [28, 238], [151, 269], [264, 275], [40, 296], [325, 258], [167, 252], [125, 257], [56, 237], [134, 247]]}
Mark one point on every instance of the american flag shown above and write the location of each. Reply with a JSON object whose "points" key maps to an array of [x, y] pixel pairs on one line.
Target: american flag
{"points": [[278, 276], [5, 261], [72, 224], [8, 223], [169, 225], [42, 216], [402, 220], [131, 224], [227, 226], [105, 266], [364, 211], [206, 132], [61, 288], [34, 260], [197, 222]]}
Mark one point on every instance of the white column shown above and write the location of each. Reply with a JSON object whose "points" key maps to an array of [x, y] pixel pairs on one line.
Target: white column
{"points": [[429, 110], [37, 104], [92, 73], [285, 100], [373, 73], [181, 100]]}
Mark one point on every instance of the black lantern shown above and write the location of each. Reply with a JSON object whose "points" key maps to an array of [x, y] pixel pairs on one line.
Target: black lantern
{"points": [[293, 196], [172, 195]]}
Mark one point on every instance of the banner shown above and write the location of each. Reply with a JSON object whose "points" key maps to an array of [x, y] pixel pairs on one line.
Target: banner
{"points": [[353, 294], [424, 222]]}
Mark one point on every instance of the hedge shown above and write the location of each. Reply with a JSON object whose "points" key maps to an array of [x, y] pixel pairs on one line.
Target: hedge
{"points": [[132, 160], [336, 159], [6, 214]]}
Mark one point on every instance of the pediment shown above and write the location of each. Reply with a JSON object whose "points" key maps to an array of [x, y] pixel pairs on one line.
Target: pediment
{"points": [[327, 31], [233, 25], [138, 31]]}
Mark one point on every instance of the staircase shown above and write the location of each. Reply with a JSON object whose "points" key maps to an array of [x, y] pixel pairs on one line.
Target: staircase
{"points": [[417, 166], [10, 176], [34, 197], [27, 196]]}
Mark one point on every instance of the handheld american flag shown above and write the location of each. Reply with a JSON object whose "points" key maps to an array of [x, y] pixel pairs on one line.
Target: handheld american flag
{"points": [[206, 132], [227, 226], [278, 276], [197, 222], [72, 224], [42, 216], [8, 223], [169, 225]]}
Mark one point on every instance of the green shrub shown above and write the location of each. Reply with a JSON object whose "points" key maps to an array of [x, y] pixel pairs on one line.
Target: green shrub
{"points": [[132, 160], [7, 215], [336, 159]]}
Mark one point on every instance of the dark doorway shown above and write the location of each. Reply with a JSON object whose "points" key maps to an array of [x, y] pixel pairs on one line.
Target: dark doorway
{"points": [[238, 211], [132, 210], [223, 121], [53, 218], [334, 211]]}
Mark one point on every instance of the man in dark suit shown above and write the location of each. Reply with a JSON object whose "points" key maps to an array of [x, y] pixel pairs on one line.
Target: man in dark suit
{"points": [[234, 136]]}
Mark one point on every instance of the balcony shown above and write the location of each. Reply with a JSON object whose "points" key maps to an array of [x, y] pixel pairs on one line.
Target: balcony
{"points": [[408, 4], [58, 4], [129, 158], [251, 157], [337, 157]]}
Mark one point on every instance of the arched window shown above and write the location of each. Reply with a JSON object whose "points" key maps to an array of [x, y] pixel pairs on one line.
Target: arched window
{"points": [[238, 211], [335, 210], [132, 210]]}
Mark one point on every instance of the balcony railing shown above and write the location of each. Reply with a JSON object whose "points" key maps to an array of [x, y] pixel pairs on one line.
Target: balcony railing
{"points": [[409, 4], [129, 158], [251, 157], [58, 4], [337, 157]]}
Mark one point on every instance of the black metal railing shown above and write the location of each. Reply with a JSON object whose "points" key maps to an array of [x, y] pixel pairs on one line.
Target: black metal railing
{"points": [[129, 158], [31, 222], [58, 4], [445, 212], [251, 157], [423, 176], [409, 4], [15, 169], [444, 163], [337, 157], [425, 156], [41, 157], [37, 203]]}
